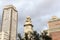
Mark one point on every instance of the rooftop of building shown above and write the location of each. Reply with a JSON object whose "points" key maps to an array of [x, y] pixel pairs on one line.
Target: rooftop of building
{"points": [[10, 6], [54, 18]]}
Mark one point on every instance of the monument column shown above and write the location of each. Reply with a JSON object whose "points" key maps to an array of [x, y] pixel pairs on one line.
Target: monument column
{"points": [[28, 27]]}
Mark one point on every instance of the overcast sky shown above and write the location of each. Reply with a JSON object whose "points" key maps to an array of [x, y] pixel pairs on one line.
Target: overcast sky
{"points": [[40, 12]]}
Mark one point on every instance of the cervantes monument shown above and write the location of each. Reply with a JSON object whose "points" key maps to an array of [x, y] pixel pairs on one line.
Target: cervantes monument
{"points": [[9, 22]]}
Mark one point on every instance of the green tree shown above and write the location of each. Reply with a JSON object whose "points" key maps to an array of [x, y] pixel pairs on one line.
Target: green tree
{"points": [[19, 35], [26, 36], [44, 36], [36, 35]]}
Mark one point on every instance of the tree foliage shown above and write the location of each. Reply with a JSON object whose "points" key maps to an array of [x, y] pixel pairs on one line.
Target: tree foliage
{"points": [[36, 36], [44, 36], [19, 36]]}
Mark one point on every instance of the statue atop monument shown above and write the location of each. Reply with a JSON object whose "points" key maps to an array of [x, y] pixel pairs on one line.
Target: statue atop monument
{"points": [[28, 20]]}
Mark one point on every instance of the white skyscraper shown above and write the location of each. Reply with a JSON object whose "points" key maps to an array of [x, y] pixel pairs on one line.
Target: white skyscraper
{"points": [[9, 22]]}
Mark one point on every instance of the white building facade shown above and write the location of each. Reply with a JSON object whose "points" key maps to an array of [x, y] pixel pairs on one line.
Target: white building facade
{"points": [[9, 23]]}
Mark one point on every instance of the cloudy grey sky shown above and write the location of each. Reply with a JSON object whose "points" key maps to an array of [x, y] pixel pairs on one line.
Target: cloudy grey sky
{"points": [[40, 11]]}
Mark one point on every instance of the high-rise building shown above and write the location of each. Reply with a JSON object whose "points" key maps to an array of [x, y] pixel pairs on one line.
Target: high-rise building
{"points": [[9, 22], [54, 28], [0, 35], [4, 36]]}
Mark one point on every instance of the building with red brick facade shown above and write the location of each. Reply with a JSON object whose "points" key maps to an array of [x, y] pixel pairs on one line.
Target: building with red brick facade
{"points": [[54, 28]]}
